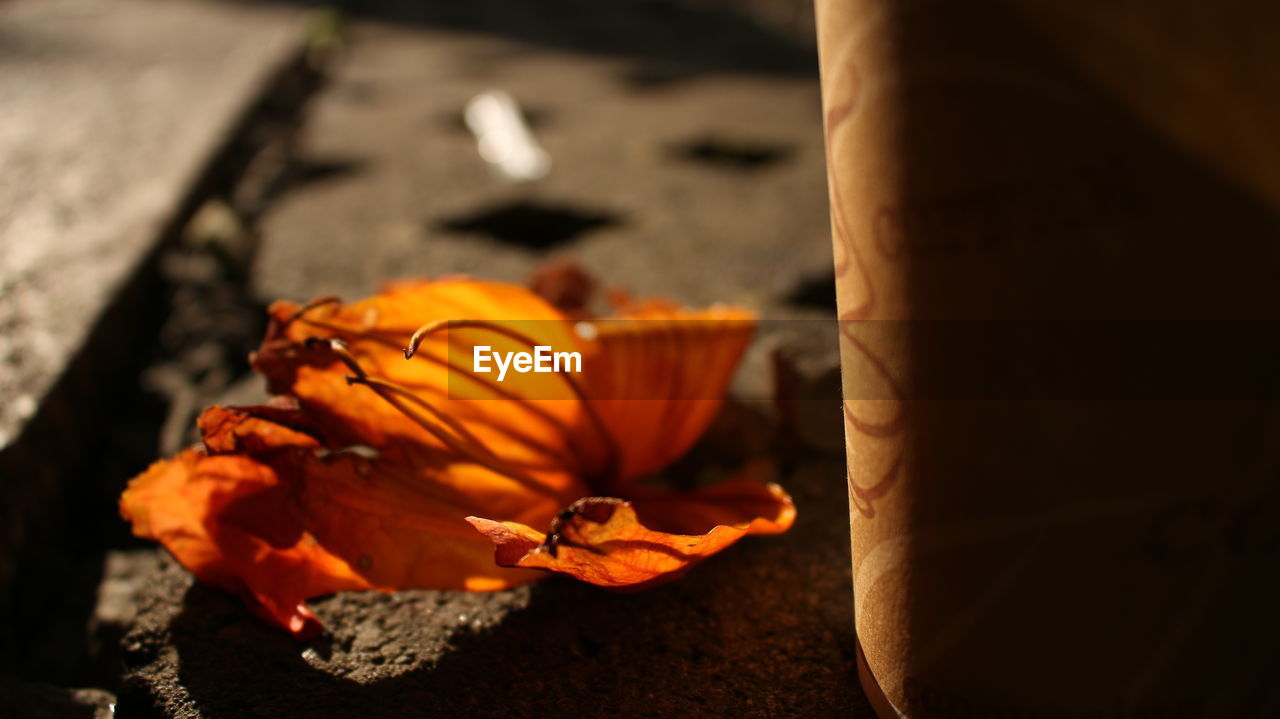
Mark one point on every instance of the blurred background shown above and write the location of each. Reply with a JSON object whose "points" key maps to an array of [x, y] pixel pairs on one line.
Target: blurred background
{"points": [[167, 168]]}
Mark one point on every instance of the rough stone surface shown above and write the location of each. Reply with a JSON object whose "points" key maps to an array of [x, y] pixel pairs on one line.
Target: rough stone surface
{"points": [[763, 630], [111, 112], [705, 183], [688, 162]]}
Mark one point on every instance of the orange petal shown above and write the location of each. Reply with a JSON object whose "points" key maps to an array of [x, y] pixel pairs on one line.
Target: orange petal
{"points": [[659, 376], [533, 420], [395, 512], [749, 499], [228, 519], [401, 523], [280, 518], [604, 542], [252, 429]]}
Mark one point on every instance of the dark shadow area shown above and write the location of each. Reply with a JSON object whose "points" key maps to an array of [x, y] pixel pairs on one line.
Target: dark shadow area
{"points": [[817, 291], [655, 76], [532, 224], [701, 39], [305, 171], [732, 154]]}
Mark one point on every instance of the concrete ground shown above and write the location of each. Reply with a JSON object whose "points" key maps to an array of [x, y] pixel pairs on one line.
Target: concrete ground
{"points": [[687, 153], [671, 174], [111, 112]]}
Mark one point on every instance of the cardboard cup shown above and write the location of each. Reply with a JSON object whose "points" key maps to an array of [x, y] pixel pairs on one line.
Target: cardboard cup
{"points": [[1050, 530]]}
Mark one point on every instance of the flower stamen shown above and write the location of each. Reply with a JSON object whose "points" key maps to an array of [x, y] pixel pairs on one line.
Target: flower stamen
{"points": [[467, 445], [383, 337], [313, 304], [602, 431]]}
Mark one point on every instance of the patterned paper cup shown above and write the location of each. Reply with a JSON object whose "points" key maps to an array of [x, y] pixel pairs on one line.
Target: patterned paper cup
{"points": [[1056, 248]]}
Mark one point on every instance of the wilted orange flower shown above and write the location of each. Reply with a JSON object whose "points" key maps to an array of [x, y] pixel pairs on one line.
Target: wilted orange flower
{"points": [[381, 467]]}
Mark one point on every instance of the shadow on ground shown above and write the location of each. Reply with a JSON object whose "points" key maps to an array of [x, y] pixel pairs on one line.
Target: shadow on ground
{"points": [[764, 629]]}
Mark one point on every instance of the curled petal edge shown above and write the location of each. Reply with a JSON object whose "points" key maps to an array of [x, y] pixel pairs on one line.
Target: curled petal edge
{"points": [[601, 540]]}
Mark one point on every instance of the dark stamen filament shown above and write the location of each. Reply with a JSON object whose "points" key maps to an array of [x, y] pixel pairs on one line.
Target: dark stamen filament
{"points": [[469, 447], [313, 304], [487, 383], [598, 424]]}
